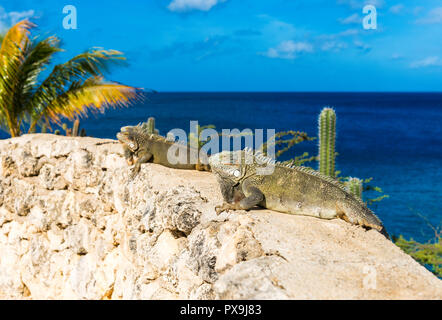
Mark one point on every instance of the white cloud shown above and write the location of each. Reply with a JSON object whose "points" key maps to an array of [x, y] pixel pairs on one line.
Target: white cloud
{"points": [[397, 9], [345, 33], [353, 19], [333, 46], [427, 62], [434, 16], [18, 16], [288, 50], [277, 28], [417, 10], [8, 19], [349, 32], [189, 5], [362, 46]]}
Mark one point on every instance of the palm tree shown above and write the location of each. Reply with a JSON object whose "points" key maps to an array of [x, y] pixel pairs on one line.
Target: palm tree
{"points": [[70, 90]]}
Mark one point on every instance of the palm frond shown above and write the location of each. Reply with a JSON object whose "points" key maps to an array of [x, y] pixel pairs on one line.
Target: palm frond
{"points": [[95, 62], [15, 38], [92, 63], [37, 55], [91, 95], [11, 58], [71, 89]]}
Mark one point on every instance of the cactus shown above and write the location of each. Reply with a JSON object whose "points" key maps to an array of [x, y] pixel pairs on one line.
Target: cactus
{"points": [[67, 131], [75, 128], [327, 136], [151, 125], [75, 131], [354, 186]]}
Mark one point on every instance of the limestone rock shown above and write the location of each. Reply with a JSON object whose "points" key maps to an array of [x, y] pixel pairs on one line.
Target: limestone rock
{"points": [[73, 225]]}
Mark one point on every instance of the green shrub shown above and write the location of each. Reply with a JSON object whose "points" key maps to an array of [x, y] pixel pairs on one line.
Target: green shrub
{"points": [[428, 254]]}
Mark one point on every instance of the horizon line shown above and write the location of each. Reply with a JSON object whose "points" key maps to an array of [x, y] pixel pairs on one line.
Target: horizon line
{"points": [[178, 91]]}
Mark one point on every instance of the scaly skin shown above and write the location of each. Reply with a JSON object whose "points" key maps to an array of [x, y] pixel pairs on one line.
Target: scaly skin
{"points": [[142, 147], [289, 189]]}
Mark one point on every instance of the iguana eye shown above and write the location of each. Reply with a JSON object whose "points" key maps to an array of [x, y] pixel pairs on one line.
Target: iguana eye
{"points": [[236, 173]]}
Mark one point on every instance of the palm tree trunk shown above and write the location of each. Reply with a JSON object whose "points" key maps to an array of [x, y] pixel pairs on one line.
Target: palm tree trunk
{"points": [[32, 127], [34, 122], [13, 130]]}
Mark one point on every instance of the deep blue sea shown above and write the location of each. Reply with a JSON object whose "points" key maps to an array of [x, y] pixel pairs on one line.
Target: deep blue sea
{"points": [[396, 138]]}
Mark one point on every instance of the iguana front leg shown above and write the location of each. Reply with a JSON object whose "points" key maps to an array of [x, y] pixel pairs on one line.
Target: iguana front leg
{"points": [[255, 197], [230, 191], [128, 155], [143, 157]]}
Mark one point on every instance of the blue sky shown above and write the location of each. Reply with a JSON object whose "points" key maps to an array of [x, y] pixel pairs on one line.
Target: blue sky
{"points": [[253, 45]]}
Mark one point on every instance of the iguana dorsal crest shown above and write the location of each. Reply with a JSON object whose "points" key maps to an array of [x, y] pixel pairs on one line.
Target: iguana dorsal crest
{"points": [[257, 157]]}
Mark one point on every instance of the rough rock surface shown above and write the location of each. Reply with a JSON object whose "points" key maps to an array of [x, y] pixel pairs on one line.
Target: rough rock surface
{"points": [[73, 226]]}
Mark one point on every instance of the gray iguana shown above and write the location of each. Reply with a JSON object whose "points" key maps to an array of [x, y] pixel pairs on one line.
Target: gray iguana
{"points": [[285, 188], [141, 146]]}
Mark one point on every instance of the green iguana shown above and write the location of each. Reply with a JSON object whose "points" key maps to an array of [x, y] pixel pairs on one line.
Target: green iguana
{"points": [[140, 147], [247, 180]]}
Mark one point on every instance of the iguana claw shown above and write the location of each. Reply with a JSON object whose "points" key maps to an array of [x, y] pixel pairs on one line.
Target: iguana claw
{"points": [[227, 207], [224, 207], [134, 172]]}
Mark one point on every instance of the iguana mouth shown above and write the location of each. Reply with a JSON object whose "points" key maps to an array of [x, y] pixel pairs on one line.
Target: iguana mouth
{"points": [[124, 138]]}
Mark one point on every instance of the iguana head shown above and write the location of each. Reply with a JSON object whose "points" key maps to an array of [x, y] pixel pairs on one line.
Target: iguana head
{"points": [[227, 165], [238, 165], [128, 136], [235, 165]]}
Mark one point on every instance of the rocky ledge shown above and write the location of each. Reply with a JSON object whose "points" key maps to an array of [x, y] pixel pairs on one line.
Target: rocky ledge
{"points": [[74, 226]]}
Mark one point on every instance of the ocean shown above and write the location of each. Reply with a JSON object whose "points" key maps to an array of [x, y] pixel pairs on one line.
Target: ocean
{"points": [[395, 138]]}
